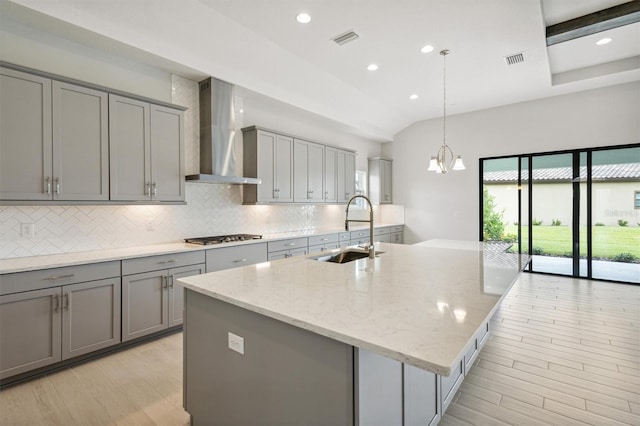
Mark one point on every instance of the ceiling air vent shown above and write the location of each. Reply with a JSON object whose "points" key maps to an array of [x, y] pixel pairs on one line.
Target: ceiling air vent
{"points": [[345, 37], [514, 59]]}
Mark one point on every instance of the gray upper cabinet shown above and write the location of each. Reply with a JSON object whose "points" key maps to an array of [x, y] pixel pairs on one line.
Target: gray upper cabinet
{"points": [[308, 167], [80, 143], [130, 149], [330, 177], [146, 151], [346, 175], [167, 154], [380, 172], [26, 168], [268, 156], [53, 140]]}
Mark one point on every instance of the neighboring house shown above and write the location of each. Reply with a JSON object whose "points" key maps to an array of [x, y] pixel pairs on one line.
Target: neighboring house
{"points": [[616, 194]]}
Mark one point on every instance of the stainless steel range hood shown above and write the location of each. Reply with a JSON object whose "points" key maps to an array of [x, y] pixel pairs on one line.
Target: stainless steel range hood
{"points": [[217, 135]]}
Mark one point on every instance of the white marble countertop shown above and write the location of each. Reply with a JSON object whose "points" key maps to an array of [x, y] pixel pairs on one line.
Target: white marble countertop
{"points": [[417, 304], [31, 263]]}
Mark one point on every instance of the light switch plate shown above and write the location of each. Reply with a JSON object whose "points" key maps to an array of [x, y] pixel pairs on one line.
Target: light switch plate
{"points": [[236, 343]]}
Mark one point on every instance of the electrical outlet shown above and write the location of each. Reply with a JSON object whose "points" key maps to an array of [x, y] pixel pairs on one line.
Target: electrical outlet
{"points": [[236, 343], [27, 230], [150, 224]]}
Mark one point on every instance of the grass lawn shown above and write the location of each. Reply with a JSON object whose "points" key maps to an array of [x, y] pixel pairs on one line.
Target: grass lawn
{"points": [[608, 241]]}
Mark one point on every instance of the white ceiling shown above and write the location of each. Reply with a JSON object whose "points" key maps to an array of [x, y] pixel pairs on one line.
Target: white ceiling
{"points": [[259, 46]]}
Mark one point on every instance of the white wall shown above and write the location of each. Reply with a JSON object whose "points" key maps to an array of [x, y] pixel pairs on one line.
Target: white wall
{"points": [[447, 206], [28, 47]]}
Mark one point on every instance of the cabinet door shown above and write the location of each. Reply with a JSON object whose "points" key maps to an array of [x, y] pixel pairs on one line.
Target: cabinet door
{"points": [[129, 149], [346, 175], [379, 382], [330, 178], [266, 144], [176, 291], [91, 316], [30, 332], [301, 190], [80, 143], [421, 402], [145, 308], [167, 154], [315, 167], [385, 196], [283, 169], [350, 175], [25, 136]]}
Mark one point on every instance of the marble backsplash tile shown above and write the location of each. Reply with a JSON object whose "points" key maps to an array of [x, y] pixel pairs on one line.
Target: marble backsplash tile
{"points": [[210, 210]]}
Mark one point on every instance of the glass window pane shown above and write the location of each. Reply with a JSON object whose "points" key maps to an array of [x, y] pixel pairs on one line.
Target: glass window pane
{"points": [[500, 202], [552, 206], [616, 220]]}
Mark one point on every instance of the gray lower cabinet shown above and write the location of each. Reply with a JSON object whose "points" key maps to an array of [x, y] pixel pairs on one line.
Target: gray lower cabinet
{"points": [[51, 315], [422, 405], [146, 151], [378, 390], [287, 248], [33, 340], [152, 300], [326, 242], [233, 257]]}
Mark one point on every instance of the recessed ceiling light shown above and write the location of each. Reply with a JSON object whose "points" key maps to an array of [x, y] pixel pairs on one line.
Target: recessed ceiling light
{"points": [[413, 97], [604, 41], [426, 49], [372, 67], [303, 18]]}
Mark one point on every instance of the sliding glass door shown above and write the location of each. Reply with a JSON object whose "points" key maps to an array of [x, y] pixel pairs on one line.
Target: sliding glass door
{"points": [[577, 213]]}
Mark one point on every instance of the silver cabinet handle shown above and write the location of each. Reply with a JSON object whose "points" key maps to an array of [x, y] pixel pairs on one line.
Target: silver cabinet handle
{"points": [[326, 194], [164, 282], [290, 244], [164, 262], [324, 239], [59, 277], [346, 195], [147, 189], [310, 193], [155, 189], [47, 180], [276, 193], [239, 261], [66, 297], [172, 279], [57, 180], [56, 297]]}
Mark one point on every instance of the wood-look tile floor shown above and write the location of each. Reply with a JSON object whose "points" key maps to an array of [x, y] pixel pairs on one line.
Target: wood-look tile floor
{"points": [[562, 352]]}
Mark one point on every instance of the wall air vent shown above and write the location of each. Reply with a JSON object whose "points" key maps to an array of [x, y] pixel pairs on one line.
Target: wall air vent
{"points": [[514, 59], [345, 37]]}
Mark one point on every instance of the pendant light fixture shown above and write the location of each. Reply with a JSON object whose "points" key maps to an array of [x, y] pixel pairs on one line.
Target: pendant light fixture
{"points": [[445, 160]]}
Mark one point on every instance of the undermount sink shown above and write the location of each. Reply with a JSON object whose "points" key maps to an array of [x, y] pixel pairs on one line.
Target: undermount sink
{"points": [[345, 256]]}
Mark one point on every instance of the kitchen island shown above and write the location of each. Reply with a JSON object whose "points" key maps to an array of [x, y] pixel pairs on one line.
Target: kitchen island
{"points": [[373, 341]]}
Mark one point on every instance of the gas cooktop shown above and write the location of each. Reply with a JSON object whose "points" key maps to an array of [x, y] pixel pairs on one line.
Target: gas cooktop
{"points": [[222, 239]]}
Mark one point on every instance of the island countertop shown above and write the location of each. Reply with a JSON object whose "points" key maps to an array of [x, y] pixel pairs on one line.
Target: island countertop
{"points": [[417, 304]]}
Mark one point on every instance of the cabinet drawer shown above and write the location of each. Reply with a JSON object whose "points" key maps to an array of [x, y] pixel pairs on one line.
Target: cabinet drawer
{"points": [[381, 231], [293, 243], [232, 257], [45, 278], [165, 261], [394, 229], [323, 239], [323, 247], [360, 234]]}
